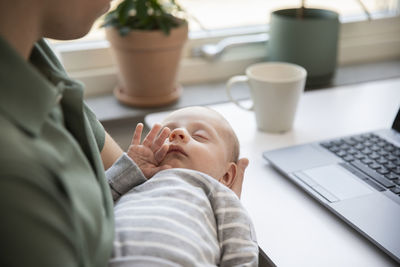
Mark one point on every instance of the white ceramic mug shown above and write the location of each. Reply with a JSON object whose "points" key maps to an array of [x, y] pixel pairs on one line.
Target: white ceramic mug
{"points": [[275, 89]]}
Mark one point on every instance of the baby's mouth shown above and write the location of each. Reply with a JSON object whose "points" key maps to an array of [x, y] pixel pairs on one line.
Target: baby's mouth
{"points": [[176, 149]]}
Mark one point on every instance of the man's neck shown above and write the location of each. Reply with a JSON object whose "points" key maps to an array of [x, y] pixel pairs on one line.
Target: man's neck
{"points": [[19, 27]]}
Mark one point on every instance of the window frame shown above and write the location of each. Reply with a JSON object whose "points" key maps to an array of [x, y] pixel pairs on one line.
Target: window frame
{"points": [[360, 41]]}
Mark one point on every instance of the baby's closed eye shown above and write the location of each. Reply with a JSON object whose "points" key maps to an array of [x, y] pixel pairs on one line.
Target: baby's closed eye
{"points": [[200, 135]]}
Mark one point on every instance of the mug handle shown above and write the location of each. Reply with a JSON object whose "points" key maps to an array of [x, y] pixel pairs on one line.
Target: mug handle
{"points": [[230, 83]]}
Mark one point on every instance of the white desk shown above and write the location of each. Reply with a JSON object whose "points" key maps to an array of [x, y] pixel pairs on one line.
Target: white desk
{"points": [[292, 228]]}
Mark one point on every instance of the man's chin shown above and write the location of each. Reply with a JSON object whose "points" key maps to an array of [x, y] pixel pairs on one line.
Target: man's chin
{"points": [[106, 8]]}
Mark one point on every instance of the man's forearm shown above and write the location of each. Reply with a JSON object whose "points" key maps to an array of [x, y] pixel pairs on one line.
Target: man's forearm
{"points": [[111, 152]]}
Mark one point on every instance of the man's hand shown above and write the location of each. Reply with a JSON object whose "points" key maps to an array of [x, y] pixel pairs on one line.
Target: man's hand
{"points": [[237, 184], [151, 152]]}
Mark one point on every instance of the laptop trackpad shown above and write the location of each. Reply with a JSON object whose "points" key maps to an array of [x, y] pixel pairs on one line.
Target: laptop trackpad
{"points": [[334, 182]]}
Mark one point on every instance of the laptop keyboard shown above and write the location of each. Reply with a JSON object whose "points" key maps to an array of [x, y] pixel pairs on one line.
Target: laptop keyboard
{"points": [[373, 156]]}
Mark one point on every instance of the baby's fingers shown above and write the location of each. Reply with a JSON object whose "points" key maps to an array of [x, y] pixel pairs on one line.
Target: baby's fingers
{"points": [[160, 140], [137, 135], [160, 154], [149, 139]]}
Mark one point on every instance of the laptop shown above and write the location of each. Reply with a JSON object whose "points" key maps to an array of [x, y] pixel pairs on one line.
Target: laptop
{"points": [[356, 177]]}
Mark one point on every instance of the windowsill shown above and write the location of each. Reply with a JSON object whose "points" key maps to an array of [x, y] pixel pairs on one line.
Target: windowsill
{"points": [[108, 109]]}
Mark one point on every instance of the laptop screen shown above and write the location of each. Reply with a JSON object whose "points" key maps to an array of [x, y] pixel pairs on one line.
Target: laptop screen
{"points": [[396, 123]]}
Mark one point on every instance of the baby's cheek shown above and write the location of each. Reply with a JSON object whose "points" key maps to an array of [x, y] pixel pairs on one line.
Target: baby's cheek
{"points": [[217, 166]]}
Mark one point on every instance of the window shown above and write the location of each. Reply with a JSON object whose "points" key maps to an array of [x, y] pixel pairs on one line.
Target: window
{"points": [[89, 60]]}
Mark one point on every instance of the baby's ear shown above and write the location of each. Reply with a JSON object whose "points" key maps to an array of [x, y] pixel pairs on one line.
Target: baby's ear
{"points": [[230, 174]]}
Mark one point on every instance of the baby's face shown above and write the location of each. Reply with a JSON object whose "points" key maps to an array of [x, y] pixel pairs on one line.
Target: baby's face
{"points": [[198, 141]]}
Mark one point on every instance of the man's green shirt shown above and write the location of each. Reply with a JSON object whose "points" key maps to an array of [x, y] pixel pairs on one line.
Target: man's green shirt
{"points": [[55, 203]]}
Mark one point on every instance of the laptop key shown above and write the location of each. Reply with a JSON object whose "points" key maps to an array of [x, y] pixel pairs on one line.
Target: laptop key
{"points": [[367, 161], [348, 158], [375, 148], [334, 149], [327, 144], [389, 148], [359, 146], [374, 139], [341, 153], [396, 170], [396, 162], [395, 190], [349, 141], [391, 157], [390, 165], [368, 143], [366, 151], [359, 156], [374, 156], [392, 176], [382, 152], [344, 146], [382, 170], [382, 160], [381, 143], [371, 173], [374, 165], [352, 151]]}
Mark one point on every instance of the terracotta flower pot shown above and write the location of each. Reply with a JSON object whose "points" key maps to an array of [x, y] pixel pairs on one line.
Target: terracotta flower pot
{"points": [[147, 64]]}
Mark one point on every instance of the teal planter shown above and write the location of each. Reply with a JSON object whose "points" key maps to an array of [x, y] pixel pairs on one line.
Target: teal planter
{"points": [[310, 41]]}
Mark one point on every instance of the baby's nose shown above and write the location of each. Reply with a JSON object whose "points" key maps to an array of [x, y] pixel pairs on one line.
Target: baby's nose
{"points": [[179, 135]]}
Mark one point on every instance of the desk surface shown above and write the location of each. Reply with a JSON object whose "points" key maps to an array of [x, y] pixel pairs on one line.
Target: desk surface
{"points": [[292, 228]]}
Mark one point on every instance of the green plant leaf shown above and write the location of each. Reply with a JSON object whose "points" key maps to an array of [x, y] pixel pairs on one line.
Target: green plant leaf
{"points": [[143, 15], [156, 6], [123, 10], [141, 9]]}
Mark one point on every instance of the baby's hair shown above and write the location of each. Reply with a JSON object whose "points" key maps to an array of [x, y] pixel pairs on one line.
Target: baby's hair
{"points": [[236, 147]]}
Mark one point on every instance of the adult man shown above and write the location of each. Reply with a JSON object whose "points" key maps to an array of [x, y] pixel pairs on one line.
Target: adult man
{"points": [[55, 202]]}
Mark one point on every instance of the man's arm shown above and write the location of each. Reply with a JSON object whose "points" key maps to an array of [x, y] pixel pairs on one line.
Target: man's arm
{"points": [[111, 152]]}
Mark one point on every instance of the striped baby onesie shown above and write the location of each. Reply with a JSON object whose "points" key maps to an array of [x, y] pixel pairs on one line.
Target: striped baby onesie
{"points": [[182, 217]]}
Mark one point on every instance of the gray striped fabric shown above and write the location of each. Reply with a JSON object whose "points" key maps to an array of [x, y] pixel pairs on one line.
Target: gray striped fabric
{"points": [[182, 217], [123, 175]]}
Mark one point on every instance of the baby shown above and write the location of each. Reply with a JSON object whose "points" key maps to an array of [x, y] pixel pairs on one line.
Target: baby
{"points": [[184, 214]]}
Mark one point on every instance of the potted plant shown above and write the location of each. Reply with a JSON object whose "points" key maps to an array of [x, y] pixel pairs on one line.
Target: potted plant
{"points": [[146, 39]]}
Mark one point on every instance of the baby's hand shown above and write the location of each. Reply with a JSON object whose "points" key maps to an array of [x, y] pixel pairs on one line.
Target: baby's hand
{"points": [[151, 152]]}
